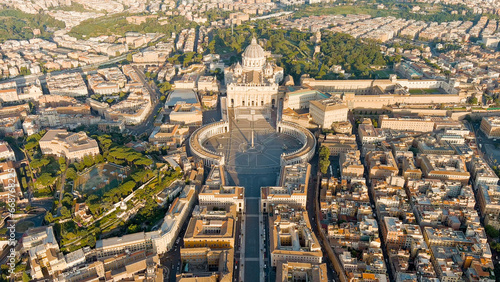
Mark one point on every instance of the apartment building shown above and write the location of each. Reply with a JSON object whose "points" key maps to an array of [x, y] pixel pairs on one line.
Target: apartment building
{"points": [[9, 181], [6, 152], [350, 165], [444, 167], [327, 111], [72, 146], [292, 189], [339, 143], [107, 81], [301, 271], [489, 199], [69, 84], [482, 173], [398, 235], [368, 134], [208, 84], [286, 227], [381, 164]]}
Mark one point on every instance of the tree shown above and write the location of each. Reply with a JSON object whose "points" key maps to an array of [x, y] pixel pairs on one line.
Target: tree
{"points": [[324, 159], [491, 231], [26, 277], [473, 100], [65, 212], [133, 228], [323, 165], [45, 180], [71, 173], [324, 152], [48, 217]]}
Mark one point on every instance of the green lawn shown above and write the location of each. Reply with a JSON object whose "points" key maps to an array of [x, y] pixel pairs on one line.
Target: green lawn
{"points": [[383, 74], [425, 91]]}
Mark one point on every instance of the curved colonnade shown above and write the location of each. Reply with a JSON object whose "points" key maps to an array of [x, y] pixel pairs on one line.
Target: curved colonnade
{"points": [[201, 135], [306, 152]]}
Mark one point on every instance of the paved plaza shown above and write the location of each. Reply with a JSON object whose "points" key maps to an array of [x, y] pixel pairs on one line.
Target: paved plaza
{"points": [[260, 156], [253, 167]]}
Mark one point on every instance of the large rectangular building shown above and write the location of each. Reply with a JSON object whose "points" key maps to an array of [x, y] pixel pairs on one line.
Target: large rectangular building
{"points": [[73, 146], [223, 196], [407, 124], [491, 126], [300, 98], [70, 84], [210, 229], [327, 111]]}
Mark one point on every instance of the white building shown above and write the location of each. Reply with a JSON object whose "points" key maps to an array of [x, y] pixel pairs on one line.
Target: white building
{"points": [[6, 152], [73, 146], [255, 83]]}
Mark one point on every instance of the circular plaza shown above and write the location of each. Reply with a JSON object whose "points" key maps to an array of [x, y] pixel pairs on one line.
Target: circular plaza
{"points": [[252, 143]]}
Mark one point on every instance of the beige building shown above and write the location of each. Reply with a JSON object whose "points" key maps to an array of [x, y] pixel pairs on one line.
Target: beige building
{"points": [[326, 112], [223, 196], [444, 167], [294, 180], [297, 271], [407, 124], [339, 143], [299, 98], [41, 245], [286, 227], [489, 199], [189, 114], [210, 230], [208, 83], [381, 164], [368, 134], [369, 93], [169, 135], [70, 84], [72, 146], [350, 165], [482, 173], [398, 235], [491, 126], [206, 264]]}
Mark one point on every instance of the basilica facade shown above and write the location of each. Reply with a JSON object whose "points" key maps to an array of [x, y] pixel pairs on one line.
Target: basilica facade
{"points": [[254, 83]]}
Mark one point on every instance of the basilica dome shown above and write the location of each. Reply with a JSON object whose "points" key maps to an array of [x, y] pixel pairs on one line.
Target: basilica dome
{"points": [[254, 56], [254, 51]]}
